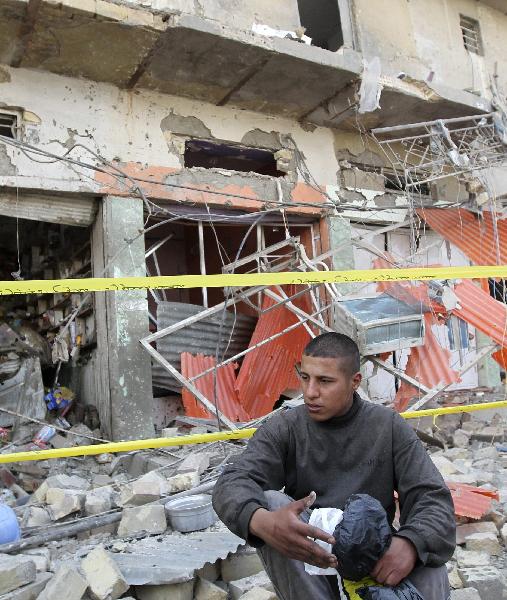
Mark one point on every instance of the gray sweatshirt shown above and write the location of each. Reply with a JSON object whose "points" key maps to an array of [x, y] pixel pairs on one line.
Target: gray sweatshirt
{"points": [[369, 450]]}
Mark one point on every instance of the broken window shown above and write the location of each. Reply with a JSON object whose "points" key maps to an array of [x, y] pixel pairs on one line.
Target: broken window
{"points": [[470, 30], [231, 157], [321, 19], [8, 125]]}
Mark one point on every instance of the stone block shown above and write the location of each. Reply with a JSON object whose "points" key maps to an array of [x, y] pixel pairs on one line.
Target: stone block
{"points": [[159, 480], [170, 432], [67, 583], [258, 593], [484, 542], [243, 563], [30, 591], [358, 179], [103, 575], [40, 556], [101, 480], [15, 571], [35, 516], [63, 502], [140, 492], [457, 453], [486, 464], [488, 581], [444, 465], [210, 571], [96, 503], [195, 462], [488, 452], [60, 441], [468, 558], [64, 482], [150, 519], [489, 434], [205, 590], [242, 586], [503, 533], [468, 478], [454, 578], [465, 594], [183, 482], [176, 591], [461, 439], [463, 531]]}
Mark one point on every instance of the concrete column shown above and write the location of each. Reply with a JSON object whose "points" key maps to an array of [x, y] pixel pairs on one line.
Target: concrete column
{"points": [[126, 403], [488, 369], [340, 233]]}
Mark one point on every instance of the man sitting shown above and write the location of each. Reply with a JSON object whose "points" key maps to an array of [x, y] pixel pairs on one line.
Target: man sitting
{"points": [[337, 445]]}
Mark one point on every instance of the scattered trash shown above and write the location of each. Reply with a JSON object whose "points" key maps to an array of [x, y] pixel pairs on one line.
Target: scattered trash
{"points": [[44, 435], [191, 514]]}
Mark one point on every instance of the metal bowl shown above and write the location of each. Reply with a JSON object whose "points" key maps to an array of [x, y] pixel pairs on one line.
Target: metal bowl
{"points": [[192, 513]]}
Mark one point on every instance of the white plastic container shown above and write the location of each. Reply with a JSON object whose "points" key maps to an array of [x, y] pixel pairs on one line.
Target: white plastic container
{"points": [[192, 513]]}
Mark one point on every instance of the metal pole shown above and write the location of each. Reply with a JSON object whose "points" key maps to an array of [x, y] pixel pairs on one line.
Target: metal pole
{"points": [[203, 263]]}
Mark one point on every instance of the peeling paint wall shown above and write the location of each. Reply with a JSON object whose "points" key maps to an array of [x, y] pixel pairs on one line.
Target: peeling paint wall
{"points": [[423, 38], [138, 128]]}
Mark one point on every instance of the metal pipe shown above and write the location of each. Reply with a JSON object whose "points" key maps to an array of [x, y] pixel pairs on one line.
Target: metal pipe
{"points": [[202, 263]]}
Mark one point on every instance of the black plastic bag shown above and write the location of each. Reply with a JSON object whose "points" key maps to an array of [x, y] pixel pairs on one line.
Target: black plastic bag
{"points": [[362, 537], [404, 591]]}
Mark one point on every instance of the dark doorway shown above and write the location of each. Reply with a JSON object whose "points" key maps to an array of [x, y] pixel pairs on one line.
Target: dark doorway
{"points": [[322, 21]]}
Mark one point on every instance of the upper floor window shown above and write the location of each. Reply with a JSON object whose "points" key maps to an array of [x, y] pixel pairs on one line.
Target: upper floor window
{"points": [[322, 21], [471, 32], [9, 124]]}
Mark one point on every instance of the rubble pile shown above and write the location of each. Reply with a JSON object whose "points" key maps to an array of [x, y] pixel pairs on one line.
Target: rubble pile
{"points": [[125, 545]]}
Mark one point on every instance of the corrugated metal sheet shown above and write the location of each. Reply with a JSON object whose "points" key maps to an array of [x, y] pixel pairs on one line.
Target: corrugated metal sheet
{"points": [[173, 558], [76, 210], [470, 501], [482, 311], [198, 338], [227, 399], [269, 370], [429, 364], [474, 236]]}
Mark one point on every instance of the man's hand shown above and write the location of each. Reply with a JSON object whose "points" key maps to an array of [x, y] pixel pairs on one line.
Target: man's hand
{"points": [[285, 532], [397, 562]]}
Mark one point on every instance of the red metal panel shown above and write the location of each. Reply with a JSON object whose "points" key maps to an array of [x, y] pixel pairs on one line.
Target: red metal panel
{"points": [[428, 364], [269, 370], [227, 399], [470, 501], [473, 235]]}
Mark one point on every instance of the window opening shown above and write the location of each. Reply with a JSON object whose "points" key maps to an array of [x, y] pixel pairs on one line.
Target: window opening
{"points": [[470, 30], [231, 157], [394, 182], [457, 332], [8, 125], [321, 19]]}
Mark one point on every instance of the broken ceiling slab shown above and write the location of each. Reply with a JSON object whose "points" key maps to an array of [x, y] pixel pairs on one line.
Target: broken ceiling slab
{"points": [[200, 59], [175, 558], [402, 101], [96, 40], [12, 16]]}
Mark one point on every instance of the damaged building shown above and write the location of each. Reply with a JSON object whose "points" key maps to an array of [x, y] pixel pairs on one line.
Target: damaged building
{"points": [[167, 138]]}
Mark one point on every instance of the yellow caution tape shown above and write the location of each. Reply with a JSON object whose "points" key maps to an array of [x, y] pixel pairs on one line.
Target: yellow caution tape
{"points": [[205, 438], [99, 284]]}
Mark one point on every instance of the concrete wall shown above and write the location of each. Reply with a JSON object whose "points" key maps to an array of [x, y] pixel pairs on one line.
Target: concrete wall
{"points": [[424, 36], [141, 129], [282, 14]]}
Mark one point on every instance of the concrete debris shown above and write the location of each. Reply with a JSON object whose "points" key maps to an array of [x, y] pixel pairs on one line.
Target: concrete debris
{"points": [[195, 462], [176, 591], [183, 482], [66, 583], [242, 586], [149, 519], [206, 590], [104, 577], [258, 593], [15, 571], [30, 591], [63, 502], [140, 492], [243, 563]]}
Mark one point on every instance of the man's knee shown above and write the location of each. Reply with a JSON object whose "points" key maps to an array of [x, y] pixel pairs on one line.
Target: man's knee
{"points": [[276, 499]]}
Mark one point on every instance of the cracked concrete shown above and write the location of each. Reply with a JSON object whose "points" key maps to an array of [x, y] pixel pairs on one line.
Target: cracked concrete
{"points": [[7, 167]]}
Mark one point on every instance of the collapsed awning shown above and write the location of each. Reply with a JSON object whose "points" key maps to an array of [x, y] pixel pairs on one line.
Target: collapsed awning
{"points": [[473, 234]]}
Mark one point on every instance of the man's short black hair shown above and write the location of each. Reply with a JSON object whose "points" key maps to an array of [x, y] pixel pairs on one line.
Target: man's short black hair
{"points": [[336, 345]]}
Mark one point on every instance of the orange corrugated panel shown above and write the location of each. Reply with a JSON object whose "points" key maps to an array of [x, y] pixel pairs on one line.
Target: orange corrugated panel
{"points": [[482, 311], [470, 501], [227, 398], [472, 234], [269, 370], [428, 364]]}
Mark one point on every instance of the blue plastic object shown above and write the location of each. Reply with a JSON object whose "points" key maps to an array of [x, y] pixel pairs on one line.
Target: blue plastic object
{"points": [[9, 526]]}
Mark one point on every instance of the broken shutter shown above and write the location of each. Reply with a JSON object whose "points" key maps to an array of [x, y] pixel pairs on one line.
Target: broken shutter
{"points": [[79, 211]]}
